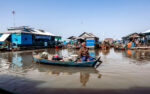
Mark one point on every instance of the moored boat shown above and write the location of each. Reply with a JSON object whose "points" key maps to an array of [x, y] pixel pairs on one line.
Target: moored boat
{"points": [[37, 58], [120, 48]]}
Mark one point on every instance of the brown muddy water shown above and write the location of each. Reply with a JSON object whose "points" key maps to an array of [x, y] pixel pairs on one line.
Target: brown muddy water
{"points": [[120, 70]]}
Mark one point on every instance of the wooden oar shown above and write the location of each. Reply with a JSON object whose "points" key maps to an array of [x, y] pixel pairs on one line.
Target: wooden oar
{"points": [[99, 63]]}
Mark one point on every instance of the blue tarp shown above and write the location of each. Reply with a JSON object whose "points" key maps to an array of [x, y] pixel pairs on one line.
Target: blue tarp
{"points": [[65, 42], [133, 44]]}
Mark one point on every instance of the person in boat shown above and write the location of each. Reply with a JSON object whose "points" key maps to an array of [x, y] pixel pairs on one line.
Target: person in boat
{"points": [[137, 43], [84, 53], [129, 44]]}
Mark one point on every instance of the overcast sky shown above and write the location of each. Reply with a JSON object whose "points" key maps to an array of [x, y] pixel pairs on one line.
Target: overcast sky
{"points": [[104, 18]]}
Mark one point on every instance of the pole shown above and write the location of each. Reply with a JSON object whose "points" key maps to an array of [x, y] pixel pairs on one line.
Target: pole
{"points": [[13, 12]]}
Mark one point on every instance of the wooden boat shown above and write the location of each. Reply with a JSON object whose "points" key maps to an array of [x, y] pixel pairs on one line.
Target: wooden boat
{"points": [[36, 58], [104, 46], [120, 48]]}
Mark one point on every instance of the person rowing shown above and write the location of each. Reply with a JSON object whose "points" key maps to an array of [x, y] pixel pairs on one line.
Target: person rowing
{"points": [[84, 53]]}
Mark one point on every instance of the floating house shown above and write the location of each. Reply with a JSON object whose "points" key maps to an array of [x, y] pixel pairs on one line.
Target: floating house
{"points": [[25, 36], [109, 40], [145, 37], [90, 39], [72, 39], [130, 37]]}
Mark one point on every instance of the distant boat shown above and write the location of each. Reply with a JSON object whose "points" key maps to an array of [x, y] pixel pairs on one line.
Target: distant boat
{"points": [[93, 63], [119, 48]]}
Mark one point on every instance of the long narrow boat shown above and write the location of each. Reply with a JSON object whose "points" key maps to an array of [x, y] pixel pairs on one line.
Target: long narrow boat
{"points": [[120, 48], [36, 58]]}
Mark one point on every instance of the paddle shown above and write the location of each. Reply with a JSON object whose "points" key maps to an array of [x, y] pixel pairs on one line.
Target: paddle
{"points": [[99, 62]]}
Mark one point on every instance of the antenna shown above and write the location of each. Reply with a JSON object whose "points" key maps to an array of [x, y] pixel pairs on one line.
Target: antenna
{"points": [[13, 12], [82, 24]]}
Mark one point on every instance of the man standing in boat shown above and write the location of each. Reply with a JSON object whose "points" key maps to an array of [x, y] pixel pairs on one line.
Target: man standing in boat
{"points": [[84, 53]]}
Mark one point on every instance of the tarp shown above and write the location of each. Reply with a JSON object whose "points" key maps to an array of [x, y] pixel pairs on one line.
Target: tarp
{"points": [[57, 37], [4, 37]]}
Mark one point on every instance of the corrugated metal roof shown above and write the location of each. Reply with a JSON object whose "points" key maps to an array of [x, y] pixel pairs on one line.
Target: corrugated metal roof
{"points": [[85, 35], [33, 31], [28, 30], [147, 31], [4, 37], [13, 31], [129, 35], [40, 32], [108, 39]]}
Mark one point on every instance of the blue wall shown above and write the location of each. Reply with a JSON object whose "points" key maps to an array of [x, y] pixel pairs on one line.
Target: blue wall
{"points": [[22, 39], [90, 42], [26, 39], [16, 38]]}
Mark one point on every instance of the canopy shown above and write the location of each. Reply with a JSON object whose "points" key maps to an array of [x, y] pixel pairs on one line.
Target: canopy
{"points": [[148, 31], [58, 37], [4, 37]]}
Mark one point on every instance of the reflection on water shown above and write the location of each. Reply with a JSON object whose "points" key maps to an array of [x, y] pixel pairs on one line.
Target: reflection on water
{"points": [[108, 75], [17, 60], [139, 55], [59, 70], [84, 77], [105, 52], [21, 62]]}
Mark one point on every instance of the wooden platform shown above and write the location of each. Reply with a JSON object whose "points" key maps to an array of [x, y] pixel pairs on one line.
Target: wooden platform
{"points": [[140, 48]]}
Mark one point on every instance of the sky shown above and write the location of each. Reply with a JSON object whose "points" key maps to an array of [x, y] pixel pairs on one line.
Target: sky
{"points": [[103, 18]]}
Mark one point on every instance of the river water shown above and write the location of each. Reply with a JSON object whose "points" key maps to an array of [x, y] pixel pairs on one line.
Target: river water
{"points": [[120, 70]]}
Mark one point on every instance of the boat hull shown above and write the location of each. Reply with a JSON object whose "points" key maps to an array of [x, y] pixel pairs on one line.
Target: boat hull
{"points": [[61, 63]]}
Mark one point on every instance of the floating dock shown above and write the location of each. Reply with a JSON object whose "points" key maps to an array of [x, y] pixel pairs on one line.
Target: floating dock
{"points": [[140, 48]]}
